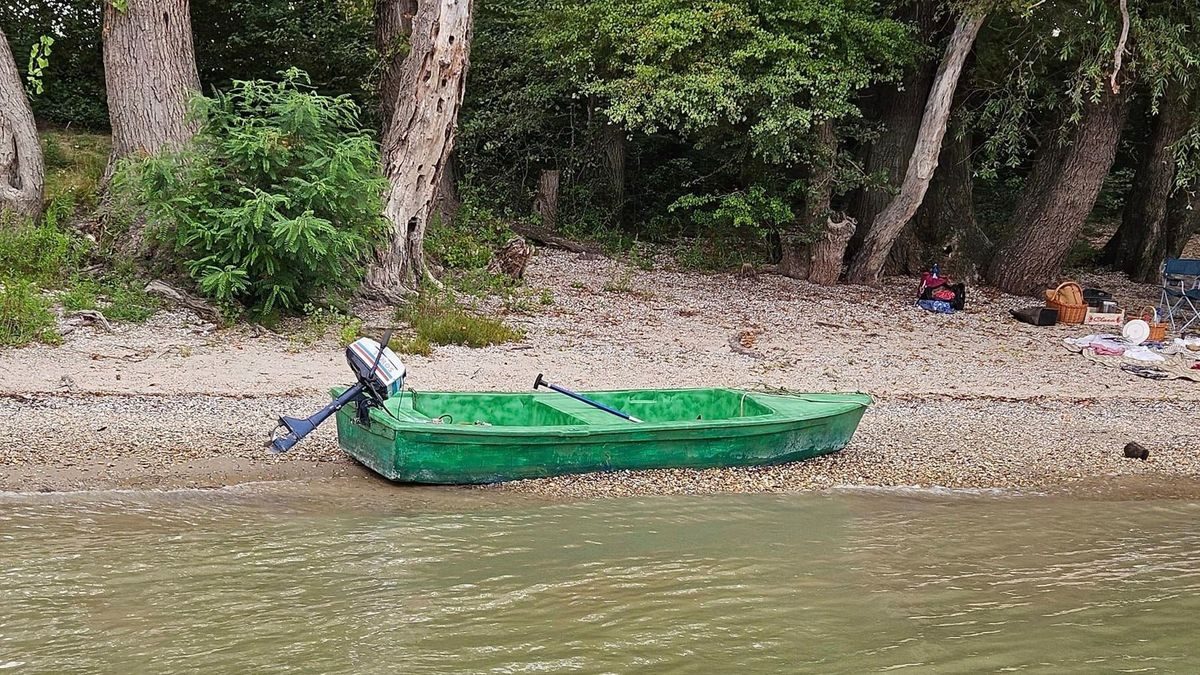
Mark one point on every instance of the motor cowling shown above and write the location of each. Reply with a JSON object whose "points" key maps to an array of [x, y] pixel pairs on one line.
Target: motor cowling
{"points": [[376, 367]]}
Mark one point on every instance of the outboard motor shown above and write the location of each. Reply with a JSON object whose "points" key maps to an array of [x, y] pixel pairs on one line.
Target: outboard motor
{"points": [[380, 375]]}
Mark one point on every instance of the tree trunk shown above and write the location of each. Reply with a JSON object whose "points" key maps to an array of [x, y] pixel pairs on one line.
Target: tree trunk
{"points": [[945, 223], [868, 263], [545, 200], [1058, 197], [612, 141], [393, 27], [900, 109], [1183, 222], [150, 75], [445, 201], [815, 247], [418, 138], [22, 172], [1137, 245]]}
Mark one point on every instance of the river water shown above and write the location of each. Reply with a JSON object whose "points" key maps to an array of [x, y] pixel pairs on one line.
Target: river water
{"points": [[427, 581]]}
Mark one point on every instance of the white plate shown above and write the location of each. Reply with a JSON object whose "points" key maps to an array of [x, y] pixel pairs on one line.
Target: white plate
{"points": [[1136, 331]]}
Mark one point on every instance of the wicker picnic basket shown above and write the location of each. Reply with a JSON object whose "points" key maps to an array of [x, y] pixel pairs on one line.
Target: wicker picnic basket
{"points": [[1158, 329], [1068, 300]]}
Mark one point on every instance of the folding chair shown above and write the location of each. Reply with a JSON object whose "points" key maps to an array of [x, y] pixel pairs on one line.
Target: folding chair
{"points": [[1181, 293]]}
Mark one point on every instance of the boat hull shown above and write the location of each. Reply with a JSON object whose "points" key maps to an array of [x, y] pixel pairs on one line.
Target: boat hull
{"points": [[779, 429]]}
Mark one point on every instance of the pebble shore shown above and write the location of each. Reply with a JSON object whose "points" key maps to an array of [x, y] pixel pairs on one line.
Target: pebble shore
{"points": [[973, 400]]}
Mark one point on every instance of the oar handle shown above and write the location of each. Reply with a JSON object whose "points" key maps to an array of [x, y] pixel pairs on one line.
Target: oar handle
{"points": [[541, 382]]}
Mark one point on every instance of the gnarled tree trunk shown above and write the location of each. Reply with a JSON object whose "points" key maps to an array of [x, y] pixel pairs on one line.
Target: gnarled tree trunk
{"points": [[814, 247], [418, 138], [1137, 246], [393, 27], [22, 172], [900, 109], [869, 261], [1058, 197], [150, 75], [946, 223]]}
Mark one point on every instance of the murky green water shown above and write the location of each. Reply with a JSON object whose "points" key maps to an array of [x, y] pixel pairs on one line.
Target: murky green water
{"points": [[396, 580]]}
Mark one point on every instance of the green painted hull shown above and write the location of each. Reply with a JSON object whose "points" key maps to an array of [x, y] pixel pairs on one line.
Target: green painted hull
{"points": [[463, 438]]}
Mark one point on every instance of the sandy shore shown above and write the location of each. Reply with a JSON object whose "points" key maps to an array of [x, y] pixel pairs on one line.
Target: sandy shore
{"points": [[969, 400]]}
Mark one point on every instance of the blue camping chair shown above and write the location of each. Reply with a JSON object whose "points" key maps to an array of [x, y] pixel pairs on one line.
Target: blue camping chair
{"points": [[1181, 293]]}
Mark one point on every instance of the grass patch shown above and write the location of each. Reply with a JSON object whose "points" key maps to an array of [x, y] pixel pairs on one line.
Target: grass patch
{"points": [[119, 299], [442, 321], [75, 162], [25, 315], [418, 346], [319, 321], [41, 254]]}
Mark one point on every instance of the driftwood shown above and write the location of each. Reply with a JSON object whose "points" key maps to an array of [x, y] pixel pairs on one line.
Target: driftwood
{"points": [[512, 258], [742, 342], [186, 300], [547, 238], [90, 317]]}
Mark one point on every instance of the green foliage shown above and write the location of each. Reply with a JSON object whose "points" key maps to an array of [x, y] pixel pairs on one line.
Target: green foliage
{"points": [[439, 319], [721, 71], [39, 60], [274, 203], [24, 315], [330, 40], [72, 89], [40, 254], [467, 242]]}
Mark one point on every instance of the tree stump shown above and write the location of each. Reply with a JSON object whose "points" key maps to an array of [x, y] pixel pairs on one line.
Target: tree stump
{"points": [[821, 260]]}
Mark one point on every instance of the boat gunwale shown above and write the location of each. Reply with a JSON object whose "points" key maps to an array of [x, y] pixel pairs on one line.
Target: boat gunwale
{"points": [[445, 432]]}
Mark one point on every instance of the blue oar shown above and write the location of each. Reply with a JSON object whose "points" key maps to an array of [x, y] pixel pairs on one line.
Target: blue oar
{"points": [[541, 382]]}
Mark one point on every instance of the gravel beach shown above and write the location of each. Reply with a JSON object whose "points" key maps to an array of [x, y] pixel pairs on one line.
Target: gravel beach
{"points": [[971, 400]]}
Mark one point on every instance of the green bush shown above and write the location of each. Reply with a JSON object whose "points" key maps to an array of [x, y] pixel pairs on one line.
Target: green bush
{"points": [[24, 315], [275, 203]]}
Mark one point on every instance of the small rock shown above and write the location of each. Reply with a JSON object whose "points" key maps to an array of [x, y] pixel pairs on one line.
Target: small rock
{"points": [[1135, 451]]}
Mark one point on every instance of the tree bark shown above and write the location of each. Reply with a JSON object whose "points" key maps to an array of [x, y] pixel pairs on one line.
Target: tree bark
{"points": [[1183, 222], [816, 245], [1058, 197], [22, 171], [612, 141], [1137, 245], [545, 200], [900, 108], [418, 139], [150, 75], [868, 263], [445, 201], [393, 27], [946, 223]]}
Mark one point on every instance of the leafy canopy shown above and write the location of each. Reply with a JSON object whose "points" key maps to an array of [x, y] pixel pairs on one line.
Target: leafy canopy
{"points": [[274, 203], [768, 70]]}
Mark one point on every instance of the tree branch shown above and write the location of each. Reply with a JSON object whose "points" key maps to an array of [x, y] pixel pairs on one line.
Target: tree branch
{"points": [[1119, 54]]}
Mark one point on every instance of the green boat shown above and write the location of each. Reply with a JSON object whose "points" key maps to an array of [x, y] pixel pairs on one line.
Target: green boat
{"points": [[463, 438]]}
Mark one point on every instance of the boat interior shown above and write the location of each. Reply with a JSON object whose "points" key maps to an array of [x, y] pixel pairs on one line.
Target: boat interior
{"points": [[542, 409]]}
